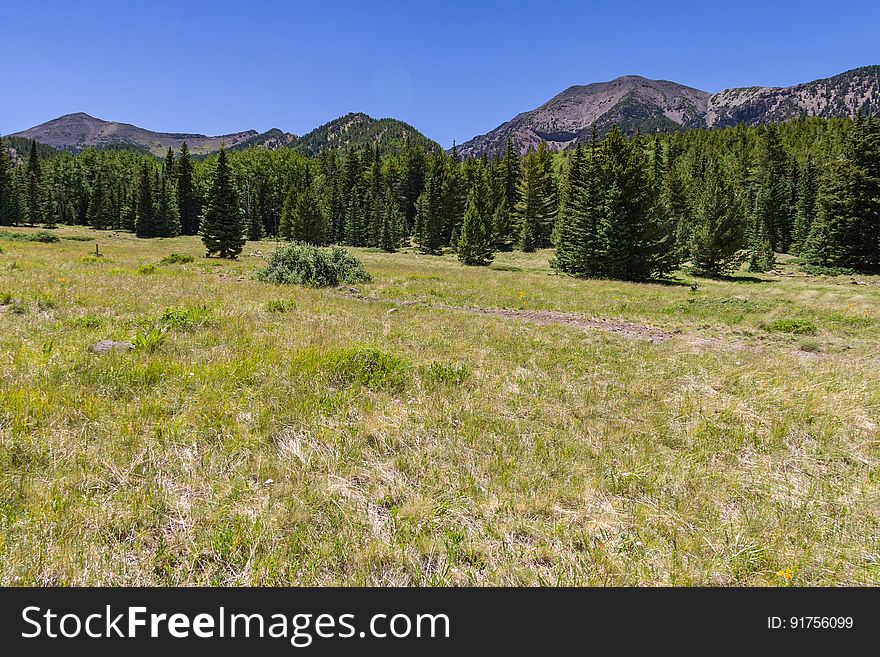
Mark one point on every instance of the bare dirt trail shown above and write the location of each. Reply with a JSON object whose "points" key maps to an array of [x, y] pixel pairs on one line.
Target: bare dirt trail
{"points": [[628, 330]]}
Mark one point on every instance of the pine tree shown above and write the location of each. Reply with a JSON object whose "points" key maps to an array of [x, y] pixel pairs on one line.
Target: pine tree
{"points": [[634, 240], [846, 232], [773, 205], [376, 214], [761, 255], [168, 166], [254, 222], [531, 202], [717, 239], [35, 200], [429, 209], [7, 218], [570, 219], [167, 219], [454, 198], [301, 218], [392, 224], [808, 187], [221, 226], [99, 214], [188, 202], [507, 232], [145, 223], [476, 243]]}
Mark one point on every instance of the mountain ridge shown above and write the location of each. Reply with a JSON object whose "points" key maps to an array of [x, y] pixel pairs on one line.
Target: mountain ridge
{"points": [[78, 131], [639, 104]]}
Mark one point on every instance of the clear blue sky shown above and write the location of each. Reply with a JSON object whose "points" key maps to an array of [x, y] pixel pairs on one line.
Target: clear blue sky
{"points": [[452, 69]]}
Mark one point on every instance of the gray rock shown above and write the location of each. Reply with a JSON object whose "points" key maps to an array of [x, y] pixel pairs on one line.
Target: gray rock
{"points": [[105, 346]]}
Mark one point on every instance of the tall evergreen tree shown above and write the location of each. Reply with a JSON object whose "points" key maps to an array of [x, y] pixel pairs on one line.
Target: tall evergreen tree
{"points": [[167, 219], [808, 188], [476, 244], [301, 218], [188, 202], [718, 238], [99, 213], [168, 166], [846, 232], [37, 211], [635, 243], [7, 218], [145, 222], [221, 226], [429, 209], [773, 201]]}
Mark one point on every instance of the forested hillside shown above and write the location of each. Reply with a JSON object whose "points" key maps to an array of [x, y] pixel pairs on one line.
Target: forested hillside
{"points": [[630, 208]]}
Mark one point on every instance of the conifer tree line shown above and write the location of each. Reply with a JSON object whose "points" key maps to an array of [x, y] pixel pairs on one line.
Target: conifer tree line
{"points": [[616, 207]]}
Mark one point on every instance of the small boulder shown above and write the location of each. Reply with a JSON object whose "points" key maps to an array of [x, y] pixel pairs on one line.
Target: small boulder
{"points": [[105, 346]]}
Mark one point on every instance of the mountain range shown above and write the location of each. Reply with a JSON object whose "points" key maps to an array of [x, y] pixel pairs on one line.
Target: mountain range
{"points": [[634, 103], [79, 131], [639, 104]]}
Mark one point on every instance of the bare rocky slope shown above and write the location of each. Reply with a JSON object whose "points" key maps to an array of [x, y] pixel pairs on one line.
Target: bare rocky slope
{"points": [[80, 131], [638, 104]]}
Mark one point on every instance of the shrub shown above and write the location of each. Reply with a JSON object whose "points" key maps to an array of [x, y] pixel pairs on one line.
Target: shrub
{"points": [[280, 305], [303, 264], [371, 368], [176, 259], [146, 269], [794, 326], [42, 236], [5, 298], [185, 318], [820, 270], [92, 259]]}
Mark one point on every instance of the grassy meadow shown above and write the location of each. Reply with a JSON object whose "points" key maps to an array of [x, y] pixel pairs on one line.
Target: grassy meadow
{"points": [[442, 425]]}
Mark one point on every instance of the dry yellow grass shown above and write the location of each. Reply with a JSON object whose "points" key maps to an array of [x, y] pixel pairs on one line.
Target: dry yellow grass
{"points": [[388, 435]]}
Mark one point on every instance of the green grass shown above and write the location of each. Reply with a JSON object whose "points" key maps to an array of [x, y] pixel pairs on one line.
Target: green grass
{"points": [[296, 435]]}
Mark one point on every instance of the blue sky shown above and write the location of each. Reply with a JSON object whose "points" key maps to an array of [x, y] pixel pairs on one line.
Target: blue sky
{"points": [[452, 69]]}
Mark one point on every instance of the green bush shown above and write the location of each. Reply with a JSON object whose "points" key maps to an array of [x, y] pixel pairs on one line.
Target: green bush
{"points": [[371, 368], [820, 270], [5, 298], [42, 236], [146, 269], [794, 326], [303, 264], [176, 259], [185, 318]]}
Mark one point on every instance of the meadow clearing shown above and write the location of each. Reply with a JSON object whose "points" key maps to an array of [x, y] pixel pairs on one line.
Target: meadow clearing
{"points": [[442, 425]]}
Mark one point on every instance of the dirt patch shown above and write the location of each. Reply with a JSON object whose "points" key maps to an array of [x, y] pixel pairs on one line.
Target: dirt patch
{"points": [[629, 330]]}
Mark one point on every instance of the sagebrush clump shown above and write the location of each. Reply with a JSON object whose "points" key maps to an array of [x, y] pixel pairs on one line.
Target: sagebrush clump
{"points": [[303, 264]]}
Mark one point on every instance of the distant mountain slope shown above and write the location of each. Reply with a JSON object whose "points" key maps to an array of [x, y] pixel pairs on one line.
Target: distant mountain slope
{"points": [[630, 101], [638, 104], [79, 131], [358, 129], [843, 95], [76, 132], [271, 139]]}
